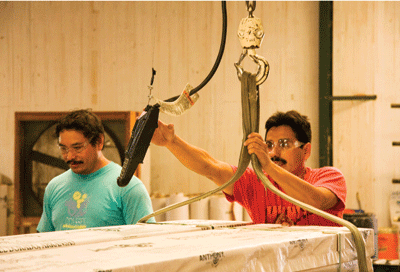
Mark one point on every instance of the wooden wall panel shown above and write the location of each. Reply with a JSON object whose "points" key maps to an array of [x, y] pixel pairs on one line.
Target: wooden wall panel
{"points": [[349, 151], [366, 61]]}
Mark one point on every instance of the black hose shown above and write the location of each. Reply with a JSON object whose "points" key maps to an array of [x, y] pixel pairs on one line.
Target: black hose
{"points": [[217, 61]]}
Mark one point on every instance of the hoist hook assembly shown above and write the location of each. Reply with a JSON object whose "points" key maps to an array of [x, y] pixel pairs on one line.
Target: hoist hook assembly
{"points": [[251, 34]]}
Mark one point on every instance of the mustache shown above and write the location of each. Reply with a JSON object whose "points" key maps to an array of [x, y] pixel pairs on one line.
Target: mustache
{"points": [[277, 159], [73, 161]]}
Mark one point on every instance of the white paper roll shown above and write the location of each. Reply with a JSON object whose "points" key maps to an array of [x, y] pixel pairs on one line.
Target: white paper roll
{"points": [[199, 209], [238, 211], [220, 208], [159, 203], [246, 216], [181, 213]]}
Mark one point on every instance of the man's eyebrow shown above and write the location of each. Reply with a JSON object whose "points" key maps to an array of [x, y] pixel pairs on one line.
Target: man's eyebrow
{"points": [[74, 144], [77, 144]]}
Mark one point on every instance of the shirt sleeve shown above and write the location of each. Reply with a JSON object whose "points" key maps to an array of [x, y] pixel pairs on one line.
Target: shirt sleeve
{"points": [[245, 186], [251, 194], [332, 179], [136, 203]]}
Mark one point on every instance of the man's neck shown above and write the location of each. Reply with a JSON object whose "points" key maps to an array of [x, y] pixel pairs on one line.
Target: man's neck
{"points": [[101, 162], [301, 172]]}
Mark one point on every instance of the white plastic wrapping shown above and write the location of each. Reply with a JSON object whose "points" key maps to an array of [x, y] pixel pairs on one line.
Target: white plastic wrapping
{"points": [[245, 248], [56, 239]]}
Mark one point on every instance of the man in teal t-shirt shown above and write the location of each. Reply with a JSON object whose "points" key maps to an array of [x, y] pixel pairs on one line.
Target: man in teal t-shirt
{"points": [[87, 195]]}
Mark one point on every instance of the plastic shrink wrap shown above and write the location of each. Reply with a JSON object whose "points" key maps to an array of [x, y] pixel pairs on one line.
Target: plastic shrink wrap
{"points": [[186, 246]]}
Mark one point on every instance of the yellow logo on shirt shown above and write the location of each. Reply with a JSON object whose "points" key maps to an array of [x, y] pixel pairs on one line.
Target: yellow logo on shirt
{"points": [[79, 198], [77, 208], [77, 205]]}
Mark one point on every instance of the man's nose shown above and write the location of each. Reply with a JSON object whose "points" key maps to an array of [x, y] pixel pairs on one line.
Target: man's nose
{"points": [[69, 155], [275, 151]]}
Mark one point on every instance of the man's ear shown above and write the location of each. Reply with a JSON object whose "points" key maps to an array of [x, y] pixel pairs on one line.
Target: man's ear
{"points": [[100, 142], [307, 150]]}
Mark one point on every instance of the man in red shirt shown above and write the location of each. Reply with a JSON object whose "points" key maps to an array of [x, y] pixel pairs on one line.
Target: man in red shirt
{"points": [[282, 155]]}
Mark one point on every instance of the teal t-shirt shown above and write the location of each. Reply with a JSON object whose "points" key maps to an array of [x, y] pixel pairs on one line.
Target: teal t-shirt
{"points": [[74, 201]]}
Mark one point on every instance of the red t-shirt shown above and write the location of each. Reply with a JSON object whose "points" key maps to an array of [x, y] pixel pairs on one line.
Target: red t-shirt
{"points": [[263, 206]]}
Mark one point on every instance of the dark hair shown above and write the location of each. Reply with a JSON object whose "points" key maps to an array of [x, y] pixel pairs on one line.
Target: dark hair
{"points": [[297, 122], [84, 121]]}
